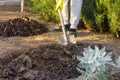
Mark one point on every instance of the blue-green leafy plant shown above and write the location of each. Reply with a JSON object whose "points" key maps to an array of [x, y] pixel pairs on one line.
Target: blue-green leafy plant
{"points": [[118, 63], [95, 63]]}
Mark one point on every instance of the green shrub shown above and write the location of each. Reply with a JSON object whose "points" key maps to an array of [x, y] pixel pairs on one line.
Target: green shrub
{"points": [[114, 16], [46, 9], [94, 15], [88, 10], [102, 15]]}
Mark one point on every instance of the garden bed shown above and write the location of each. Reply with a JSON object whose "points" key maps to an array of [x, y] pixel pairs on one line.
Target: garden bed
{"points": [[48, 62]]}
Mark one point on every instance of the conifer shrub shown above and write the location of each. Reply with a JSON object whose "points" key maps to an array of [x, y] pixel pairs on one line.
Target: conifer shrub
{"points": [[46, 9], [114, 16], [102, 16], [94, 15]]}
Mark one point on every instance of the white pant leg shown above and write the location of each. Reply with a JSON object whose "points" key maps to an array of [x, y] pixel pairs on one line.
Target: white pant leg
{"points": [[75, 13], [65, 12]]}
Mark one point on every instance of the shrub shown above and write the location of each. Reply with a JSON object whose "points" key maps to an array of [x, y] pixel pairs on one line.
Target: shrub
{"points": [[88, 9], [94, 14], [114, 16], [46, 9], [102, 15]]}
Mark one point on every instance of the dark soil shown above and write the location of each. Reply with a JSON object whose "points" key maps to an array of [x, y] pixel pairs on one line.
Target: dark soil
{"points": [[21, 27], [115, 76], [51, 62]]}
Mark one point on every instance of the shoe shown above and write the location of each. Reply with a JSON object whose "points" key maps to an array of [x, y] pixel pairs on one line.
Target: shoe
{"points": [[58, 29], [72, 32], [67, 27]]}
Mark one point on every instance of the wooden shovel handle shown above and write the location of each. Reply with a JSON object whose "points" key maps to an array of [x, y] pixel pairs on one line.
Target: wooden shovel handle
{"points": [[22, 8], [62, 23]]}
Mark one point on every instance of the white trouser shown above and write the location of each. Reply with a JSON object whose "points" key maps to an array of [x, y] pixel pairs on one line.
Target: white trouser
{"points": [[75, 12]]}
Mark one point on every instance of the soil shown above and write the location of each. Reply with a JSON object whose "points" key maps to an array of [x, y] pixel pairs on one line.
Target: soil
{"points": [[51, 62], [40, 57], [22, 27], [48, 62]]}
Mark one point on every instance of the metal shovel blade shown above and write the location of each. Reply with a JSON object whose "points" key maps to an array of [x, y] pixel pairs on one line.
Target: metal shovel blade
{"points": [[71, 39], [62, 41]]}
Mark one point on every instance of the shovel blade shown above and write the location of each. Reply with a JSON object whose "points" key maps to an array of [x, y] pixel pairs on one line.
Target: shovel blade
{"points": [[71, 39], [61, 40]]}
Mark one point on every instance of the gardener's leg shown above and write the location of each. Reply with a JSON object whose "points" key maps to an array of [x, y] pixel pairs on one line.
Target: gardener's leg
{"points": [[75, 14], [65, 14]]}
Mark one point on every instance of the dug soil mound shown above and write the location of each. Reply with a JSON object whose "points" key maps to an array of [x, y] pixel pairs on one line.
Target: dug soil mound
{"points": [[21, 27], [50, 62]]}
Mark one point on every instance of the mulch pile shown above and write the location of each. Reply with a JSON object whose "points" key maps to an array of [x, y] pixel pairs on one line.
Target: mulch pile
{"points": [[21, 27]]}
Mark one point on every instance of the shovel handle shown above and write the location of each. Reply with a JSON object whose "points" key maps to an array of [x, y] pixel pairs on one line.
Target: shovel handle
{"points": [[22, 8], [62, 23]]}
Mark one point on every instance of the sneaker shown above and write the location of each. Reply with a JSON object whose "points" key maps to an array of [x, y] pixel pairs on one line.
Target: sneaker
{"points": [[67, 27], [72, 33], [57, 29]]}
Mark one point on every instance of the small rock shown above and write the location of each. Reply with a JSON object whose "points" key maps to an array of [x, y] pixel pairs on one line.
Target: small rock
{"points": [[74, 57]]}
